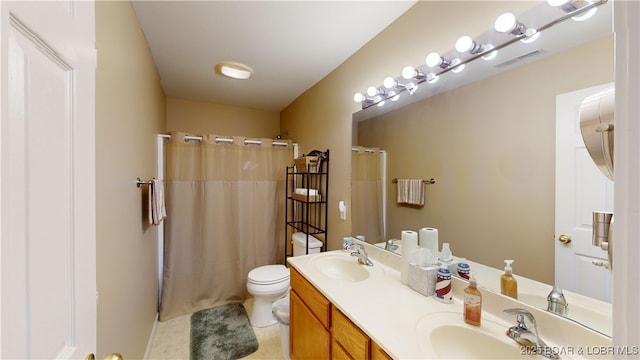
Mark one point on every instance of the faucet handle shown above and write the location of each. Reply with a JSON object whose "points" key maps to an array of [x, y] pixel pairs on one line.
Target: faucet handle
{"points": [[520, 315]]}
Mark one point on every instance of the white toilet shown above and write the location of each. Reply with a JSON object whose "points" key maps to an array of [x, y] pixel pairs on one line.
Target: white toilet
{"points": [[269, 283], [266, 284]]}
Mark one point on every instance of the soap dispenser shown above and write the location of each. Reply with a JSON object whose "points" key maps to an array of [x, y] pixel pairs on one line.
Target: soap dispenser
{"points": [[472, 302], [508, 284]]}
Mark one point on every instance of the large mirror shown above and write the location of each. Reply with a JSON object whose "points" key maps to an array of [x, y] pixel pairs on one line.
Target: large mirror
{"points": [[490, 146]]}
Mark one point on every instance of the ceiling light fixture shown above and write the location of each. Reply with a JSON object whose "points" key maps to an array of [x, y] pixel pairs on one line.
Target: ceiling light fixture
{"points": [[234, 70]]}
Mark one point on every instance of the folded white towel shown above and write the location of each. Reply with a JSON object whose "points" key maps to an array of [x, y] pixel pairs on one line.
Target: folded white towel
{"points": [[157, 210], [303, 191], [411, 191]]}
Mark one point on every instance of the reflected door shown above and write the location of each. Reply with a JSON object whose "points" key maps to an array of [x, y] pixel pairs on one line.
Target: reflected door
{"points": [[580, 189], [47, 167]]}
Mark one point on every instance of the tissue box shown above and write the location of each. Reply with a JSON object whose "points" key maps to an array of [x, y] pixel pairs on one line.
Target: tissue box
{"points": [[423, 279]]}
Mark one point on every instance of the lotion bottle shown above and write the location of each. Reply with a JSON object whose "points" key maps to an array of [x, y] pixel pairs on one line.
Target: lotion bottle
{"points": [[508, 284], [472, 303]]}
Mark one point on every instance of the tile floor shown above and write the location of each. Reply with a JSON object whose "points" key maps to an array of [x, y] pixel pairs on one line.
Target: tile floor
{"points": [[171, 339]]}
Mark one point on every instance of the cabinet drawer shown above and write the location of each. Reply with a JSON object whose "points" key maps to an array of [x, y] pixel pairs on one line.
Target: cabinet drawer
{"points": [[349, 336], [317, 303]]}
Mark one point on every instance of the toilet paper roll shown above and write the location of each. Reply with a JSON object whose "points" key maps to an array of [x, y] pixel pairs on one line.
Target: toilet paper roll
{"points": [[429, 239], [409, 245]]}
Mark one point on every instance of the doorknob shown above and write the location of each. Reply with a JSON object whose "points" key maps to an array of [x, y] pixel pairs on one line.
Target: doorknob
{"points": [[114, 356], [565, 239]]}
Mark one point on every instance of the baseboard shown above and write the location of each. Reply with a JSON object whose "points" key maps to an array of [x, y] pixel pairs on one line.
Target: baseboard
{"points": [[147, 351]]}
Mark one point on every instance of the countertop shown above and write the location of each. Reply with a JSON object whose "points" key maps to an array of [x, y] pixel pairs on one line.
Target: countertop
{"points": [[391, 313]]}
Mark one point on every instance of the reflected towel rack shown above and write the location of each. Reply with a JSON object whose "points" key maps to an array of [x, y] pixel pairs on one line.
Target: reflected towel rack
{"points": [[430, 181], [142, 182]]}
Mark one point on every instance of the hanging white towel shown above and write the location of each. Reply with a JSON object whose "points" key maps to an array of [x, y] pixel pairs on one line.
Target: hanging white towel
{"points": [[157, 211], [411, 192]]}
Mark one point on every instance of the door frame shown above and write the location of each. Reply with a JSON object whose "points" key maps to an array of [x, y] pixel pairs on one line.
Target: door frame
{"points": [[626, 245]]}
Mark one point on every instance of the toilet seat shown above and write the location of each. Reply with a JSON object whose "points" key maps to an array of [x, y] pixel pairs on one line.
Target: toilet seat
{"points": [[268, 274]]}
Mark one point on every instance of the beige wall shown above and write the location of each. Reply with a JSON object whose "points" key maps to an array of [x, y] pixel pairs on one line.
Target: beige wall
{"points": [[130, 111], [321, 117], [196, 117], [491, 147]]}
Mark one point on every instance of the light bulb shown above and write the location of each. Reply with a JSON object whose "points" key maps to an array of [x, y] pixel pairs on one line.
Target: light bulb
{"points": [[465, 44], [408, 72], [505, 23], [433, 59], [389, 82], [557, 2], [531, 36], [586, 15], [458, 68], [372, 91], [490, 56], [358, 97]]}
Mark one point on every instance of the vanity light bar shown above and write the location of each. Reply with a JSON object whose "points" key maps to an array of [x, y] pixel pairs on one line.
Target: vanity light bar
{"points": [[412, 77]]}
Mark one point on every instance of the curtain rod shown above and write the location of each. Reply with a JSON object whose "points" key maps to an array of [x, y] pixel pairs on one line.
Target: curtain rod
{"points": [[227, 140], [372, 151]]}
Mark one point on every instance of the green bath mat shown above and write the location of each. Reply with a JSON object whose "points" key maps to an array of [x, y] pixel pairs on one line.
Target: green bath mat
{"points": [[222, 332]]}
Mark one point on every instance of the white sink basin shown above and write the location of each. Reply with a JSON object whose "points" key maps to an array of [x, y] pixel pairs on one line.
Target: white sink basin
{"points": [[447, 336], [344, 267]]}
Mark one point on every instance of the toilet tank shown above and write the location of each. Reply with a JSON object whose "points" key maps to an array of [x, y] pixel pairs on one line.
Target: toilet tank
{"points": [[299, 241]]}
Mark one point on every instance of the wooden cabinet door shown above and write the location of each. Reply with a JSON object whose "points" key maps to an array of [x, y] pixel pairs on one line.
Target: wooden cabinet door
{"points": [[308, 338], [377, 353]]}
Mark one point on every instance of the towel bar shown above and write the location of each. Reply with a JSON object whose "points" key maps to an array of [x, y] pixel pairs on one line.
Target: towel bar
{"points": [[430, 181], [142, 182]]}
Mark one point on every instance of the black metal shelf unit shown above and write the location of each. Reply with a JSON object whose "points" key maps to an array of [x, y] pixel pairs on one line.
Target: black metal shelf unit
{"points": [[307, 213]]}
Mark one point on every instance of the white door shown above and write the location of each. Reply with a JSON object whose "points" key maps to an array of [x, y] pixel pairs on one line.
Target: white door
{"points": [[47, 181], [580, 189]]}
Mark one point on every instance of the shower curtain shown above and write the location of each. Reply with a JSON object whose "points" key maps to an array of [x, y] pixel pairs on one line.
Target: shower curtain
{"points": [[366, 195], [225, 216]]}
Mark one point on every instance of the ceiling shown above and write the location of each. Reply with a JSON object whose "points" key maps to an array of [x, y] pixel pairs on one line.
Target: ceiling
{"points": [[289, 45]]}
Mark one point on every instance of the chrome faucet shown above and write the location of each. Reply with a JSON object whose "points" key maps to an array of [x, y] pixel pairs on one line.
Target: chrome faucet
{"points": [[361, 254], [522, 334], [390, 245], [556, 302]]}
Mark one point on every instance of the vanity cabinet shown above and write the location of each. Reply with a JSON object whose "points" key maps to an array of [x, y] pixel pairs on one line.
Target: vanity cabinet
{"points": [[310, 321], [318, 330]]}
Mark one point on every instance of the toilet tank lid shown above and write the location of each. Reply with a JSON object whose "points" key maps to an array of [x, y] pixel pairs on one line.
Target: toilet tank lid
{"points": [[269, 274], [300, 238]]}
